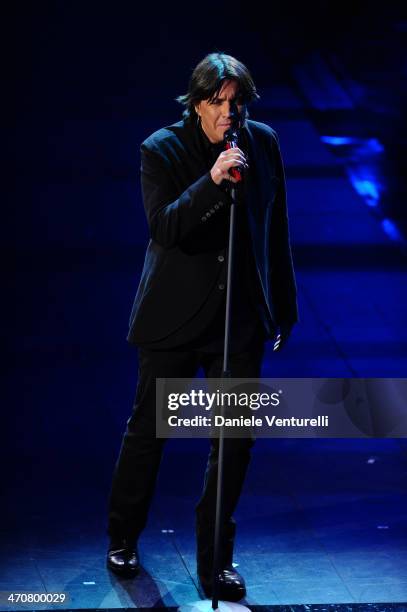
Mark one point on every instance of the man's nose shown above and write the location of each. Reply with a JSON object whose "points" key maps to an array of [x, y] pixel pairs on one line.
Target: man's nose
{"points": [[230, 109], [227, 109]]}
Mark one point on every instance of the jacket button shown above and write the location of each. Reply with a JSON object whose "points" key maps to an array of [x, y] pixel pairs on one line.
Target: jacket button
{"points": [[221, 286], [221, 258], [203, 219], [216, 206], [208, 214]]}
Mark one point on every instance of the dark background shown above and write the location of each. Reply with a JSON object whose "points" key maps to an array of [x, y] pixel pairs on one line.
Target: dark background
{"points": [[92, 80]]}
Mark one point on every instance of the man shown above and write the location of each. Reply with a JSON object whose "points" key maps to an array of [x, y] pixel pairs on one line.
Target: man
{"points": [[177, 320]]}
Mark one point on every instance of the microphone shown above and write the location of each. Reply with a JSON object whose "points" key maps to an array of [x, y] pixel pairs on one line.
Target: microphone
{"points": [[231, 137]]}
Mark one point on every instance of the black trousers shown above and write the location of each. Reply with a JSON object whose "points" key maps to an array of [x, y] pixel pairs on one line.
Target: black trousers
{"points": [[140, 455]]}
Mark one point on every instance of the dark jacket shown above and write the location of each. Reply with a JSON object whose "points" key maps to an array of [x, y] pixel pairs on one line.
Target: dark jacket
{"points": [[185, 209]]}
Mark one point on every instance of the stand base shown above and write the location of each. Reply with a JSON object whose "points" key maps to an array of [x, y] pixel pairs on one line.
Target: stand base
{"points": [[205, 605]]}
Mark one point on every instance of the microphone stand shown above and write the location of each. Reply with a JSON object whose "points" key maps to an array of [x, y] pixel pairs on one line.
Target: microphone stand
{"points": [[231, 142], [225, 374]]}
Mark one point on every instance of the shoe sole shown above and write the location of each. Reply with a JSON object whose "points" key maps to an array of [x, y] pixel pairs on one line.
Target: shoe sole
{"points": [[223, 595], [123, 573]]}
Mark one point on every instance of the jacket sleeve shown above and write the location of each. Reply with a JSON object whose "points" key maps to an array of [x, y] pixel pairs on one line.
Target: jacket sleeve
{"points": [[283, 283], [171, 216]]}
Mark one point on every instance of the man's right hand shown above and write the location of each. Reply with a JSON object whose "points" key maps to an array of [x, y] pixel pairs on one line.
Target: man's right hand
{"points": [[226, 160]]}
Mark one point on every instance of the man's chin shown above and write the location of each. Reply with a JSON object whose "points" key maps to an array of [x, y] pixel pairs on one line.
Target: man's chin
{"points": [[222, 131]]}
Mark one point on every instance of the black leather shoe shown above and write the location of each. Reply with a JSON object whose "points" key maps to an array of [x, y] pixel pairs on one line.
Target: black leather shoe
{"points": [[231, 585], [123, 558]]}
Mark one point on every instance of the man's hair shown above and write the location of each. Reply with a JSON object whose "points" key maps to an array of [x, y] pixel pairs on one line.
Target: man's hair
{"points": [[208, 78]]}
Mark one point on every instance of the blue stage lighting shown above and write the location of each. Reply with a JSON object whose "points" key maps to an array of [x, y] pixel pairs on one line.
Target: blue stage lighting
{"points": [[391, 230]]}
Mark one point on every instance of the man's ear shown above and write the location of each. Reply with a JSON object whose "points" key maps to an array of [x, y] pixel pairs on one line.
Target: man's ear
{"points": [[197, 107]]}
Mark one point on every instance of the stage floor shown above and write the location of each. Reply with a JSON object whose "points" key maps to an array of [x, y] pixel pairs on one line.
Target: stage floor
{"points": [[320, 522]]}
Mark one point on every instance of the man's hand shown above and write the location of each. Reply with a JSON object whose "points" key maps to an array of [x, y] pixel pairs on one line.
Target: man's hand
{"points": [[226, 160], [282, 336]]}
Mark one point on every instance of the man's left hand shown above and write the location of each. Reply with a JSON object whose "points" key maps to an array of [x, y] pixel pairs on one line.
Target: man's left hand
{"points": [[283, 334]]}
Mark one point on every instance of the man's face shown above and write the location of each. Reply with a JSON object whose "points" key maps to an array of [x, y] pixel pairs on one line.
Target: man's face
{"points": [[216, 115]]}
